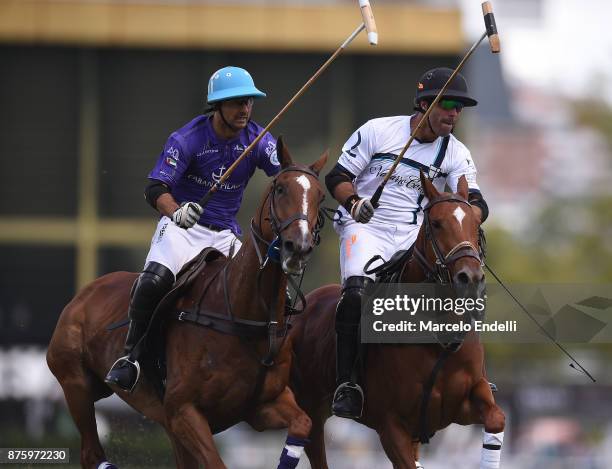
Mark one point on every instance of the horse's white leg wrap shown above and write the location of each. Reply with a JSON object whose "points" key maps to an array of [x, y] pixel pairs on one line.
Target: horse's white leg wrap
{"points": [[491, 450], [290, 457], [419, 465], [106, 465]]}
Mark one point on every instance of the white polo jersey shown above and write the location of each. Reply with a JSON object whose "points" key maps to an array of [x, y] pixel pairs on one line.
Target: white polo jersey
{"points": [[369, 154]]}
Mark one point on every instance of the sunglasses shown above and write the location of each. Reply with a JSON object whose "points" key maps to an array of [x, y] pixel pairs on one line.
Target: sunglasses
{"points": [[449, 104]]}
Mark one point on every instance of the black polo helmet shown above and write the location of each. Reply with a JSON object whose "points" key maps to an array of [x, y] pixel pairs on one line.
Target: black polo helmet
{"points": [[432, 81]]}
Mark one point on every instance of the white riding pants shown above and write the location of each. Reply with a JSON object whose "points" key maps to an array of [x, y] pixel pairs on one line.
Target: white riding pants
{"points": [[359, 242], [173, 246]]}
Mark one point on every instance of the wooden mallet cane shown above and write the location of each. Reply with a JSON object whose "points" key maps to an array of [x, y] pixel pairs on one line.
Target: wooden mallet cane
{"points": [[368, 24], [491, 32]]}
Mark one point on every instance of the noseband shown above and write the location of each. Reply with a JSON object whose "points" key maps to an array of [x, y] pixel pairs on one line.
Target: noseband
{"points": [[440, 272]]}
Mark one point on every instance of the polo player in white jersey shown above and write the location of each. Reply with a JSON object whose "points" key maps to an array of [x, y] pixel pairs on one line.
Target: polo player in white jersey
{"points": [[366, 157]]}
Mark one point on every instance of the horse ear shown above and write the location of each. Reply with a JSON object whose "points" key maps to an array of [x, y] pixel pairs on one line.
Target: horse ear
{"points": [[283, 153], [428, 188], [462, 187], [318, 165]]}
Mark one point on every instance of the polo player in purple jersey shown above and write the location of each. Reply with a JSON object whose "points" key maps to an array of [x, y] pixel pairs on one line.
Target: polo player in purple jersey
{"points": [[193, 159]]}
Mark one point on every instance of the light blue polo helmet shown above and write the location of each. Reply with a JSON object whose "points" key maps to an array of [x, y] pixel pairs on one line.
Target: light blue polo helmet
{"points": [[231, 83]]}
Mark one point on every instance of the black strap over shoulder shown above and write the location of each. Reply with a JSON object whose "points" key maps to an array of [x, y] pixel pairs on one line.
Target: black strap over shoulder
{"points": [[434, 169]]}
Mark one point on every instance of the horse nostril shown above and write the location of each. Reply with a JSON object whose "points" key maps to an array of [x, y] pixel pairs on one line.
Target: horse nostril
{"points": [[462, 277], [288, 246]]}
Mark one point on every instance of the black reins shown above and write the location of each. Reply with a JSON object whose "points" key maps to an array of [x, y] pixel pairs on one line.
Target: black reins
{"points": [[273, 254]]}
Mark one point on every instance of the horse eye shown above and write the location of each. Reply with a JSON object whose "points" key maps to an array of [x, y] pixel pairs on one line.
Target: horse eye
{"points": [[436, 224], [280, 189]]}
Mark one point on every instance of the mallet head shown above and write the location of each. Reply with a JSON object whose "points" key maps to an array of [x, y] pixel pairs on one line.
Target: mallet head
{"points": [[368, 20], [489, 19]]}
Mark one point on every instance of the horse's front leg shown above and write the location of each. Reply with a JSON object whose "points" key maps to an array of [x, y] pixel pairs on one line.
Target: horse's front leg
{"points": [[416, 446], [284, 412], [189, 426], [397, 443], [493, 418], [183, 457]]}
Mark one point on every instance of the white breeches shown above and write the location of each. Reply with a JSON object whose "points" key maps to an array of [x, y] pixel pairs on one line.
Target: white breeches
{"points": [[173, 246]]}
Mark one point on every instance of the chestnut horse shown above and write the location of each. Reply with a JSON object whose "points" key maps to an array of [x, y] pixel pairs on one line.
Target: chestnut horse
{"points": [[214, 379], [398, 378]]}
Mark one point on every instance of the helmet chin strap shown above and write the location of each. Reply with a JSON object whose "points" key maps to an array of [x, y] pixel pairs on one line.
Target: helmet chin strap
{"points": [[235, 129], [429, 122], [430, 127]]}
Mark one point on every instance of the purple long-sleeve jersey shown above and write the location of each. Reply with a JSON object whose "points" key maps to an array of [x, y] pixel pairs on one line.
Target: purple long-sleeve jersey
{"points": [[194, 158]]}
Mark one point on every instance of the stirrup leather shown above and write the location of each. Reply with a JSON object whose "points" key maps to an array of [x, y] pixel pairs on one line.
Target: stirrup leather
{"points": [[125, 361]]}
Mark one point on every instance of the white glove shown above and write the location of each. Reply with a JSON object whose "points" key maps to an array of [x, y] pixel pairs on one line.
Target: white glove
{"points": [[362, 210], [187, 214]]}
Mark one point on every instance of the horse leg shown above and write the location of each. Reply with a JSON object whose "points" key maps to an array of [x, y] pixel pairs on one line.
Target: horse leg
{"points": [[315, 450], [81, 391], [398, 444], [189, 426], [184, 459], [79, 397], [493, 418], [284, 412], [416, 446]]}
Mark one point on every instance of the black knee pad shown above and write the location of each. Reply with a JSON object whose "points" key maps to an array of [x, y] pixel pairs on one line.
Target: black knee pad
{"points": [[154, 282], [348, 312]]}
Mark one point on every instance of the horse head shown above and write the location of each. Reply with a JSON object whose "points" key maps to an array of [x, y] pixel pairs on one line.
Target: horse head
{"points": [[291, 206], [449, 240]]}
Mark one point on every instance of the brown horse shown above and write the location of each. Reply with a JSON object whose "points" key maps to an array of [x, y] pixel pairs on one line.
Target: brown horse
{"points": [[214, 379], [399, 378]]}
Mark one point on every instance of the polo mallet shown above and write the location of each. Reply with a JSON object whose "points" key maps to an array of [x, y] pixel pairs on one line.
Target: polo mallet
{"points": [[369, 25], [491, 32]]}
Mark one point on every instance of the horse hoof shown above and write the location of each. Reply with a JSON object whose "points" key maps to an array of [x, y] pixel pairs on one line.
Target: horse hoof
{"points": [[106, 465]]}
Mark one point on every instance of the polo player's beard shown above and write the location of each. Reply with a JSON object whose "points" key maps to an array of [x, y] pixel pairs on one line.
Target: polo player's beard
{"points": [[233, 127]]}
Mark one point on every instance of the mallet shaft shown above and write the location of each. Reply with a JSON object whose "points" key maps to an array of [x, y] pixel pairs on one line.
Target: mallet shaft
{"points": [[204, 200], [382, 185]]}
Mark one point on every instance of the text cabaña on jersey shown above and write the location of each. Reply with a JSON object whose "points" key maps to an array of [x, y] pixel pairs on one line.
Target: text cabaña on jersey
{"points": [[203, 182]]}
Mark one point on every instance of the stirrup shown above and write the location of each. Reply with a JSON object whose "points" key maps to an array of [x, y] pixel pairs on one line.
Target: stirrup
{"points": [[120, 363], [347, 388]]}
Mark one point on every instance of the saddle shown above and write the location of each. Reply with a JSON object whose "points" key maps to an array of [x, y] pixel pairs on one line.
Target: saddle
{"points": [[391, 270], [152, 353]]}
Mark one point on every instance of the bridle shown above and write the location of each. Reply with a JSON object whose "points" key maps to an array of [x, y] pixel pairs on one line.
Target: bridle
{"points": [[273, 253], [439, 272], [229, 323], [277, 225]]}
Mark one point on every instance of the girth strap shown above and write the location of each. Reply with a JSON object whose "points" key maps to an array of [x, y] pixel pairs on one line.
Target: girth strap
{"points": [[424, 435]]}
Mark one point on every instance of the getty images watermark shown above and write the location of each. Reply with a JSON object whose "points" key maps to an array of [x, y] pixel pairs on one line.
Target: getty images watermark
{"points": [[426, 313]]}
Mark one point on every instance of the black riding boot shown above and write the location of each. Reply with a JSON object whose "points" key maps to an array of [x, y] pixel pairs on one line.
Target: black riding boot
{"points": [[348, 398], [152, 285]]}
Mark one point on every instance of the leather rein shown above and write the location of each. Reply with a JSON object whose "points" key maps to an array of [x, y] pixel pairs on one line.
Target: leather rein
{"points": [[228, 323]]}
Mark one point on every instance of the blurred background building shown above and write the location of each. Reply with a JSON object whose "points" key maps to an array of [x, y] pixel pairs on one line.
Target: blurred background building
{"points": [[89, 91]]}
